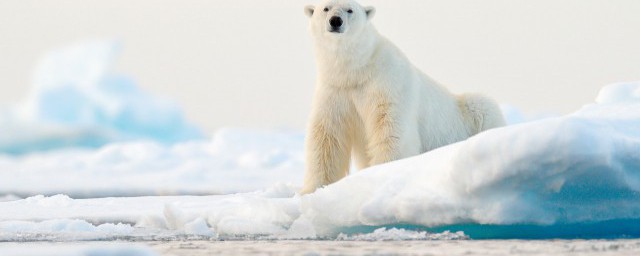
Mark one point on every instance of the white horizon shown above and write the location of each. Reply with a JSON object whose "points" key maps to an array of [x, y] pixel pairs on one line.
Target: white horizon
{"points": [[258, 70]]}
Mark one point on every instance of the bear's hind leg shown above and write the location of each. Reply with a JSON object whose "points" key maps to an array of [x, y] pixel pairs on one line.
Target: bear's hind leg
{"points": [[480, 113]]}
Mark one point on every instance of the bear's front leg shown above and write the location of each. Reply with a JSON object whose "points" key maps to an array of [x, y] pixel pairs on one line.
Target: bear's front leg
{"points": [[328, 147], [383, 130]]}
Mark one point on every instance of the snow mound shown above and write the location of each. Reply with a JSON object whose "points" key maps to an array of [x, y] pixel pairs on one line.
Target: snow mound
{"points": [[232, 161], [77, 100], [258, 149], [579, 168], [9, 197], [619, 93], [570, 172], [513, 115]]}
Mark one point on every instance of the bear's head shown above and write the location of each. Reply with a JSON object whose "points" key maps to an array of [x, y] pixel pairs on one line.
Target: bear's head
{"points": [[338, 18]]}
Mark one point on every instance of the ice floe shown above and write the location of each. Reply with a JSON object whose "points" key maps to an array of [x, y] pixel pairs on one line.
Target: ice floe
{"points": [[570, 176], [78, 100]]}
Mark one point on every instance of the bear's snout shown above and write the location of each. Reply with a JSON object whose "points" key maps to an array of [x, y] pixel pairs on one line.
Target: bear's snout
{"points": [[335, 22]]}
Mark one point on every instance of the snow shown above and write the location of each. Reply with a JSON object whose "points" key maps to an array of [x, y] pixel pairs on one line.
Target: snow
{"points": [[559, 173], [264, 213], [580, 168], [619, 93], [420, 247], [76, 250], [7, 198], [394, 234], [232, 161], [86, 132], [63, 226], [513, 115], [77, 100]]}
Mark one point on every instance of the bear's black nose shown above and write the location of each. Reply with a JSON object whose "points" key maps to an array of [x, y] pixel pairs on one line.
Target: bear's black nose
{"points": [[335, 21]]}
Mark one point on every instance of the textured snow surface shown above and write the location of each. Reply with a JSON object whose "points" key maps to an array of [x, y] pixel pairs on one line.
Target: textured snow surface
{"points": [[558, 173], [75, 250], [580, 168], [394, 234], [86, 131], [232, 161], [269, 214], [441, 247], [619, 93], [77, 100]]}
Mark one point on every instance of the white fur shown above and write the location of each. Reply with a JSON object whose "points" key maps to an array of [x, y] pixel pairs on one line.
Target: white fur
{"points": [[373, 104]]}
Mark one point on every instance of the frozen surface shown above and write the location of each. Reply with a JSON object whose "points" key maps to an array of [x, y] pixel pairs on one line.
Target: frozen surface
{"points": [[441, 247], [446, 247], [395, 234], [7, 198], [576, 176], [271, 214], [232, 161], [77, 100], [111, 249]]}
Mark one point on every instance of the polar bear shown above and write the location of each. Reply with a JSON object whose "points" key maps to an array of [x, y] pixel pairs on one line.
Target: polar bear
{"points": [[371, 103]]}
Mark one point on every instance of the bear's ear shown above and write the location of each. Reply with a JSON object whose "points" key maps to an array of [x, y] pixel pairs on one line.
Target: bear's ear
{"points": [[370, 11], [308, 10]]}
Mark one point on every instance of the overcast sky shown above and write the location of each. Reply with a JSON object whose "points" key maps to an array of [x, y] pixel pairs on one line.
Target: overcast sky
{"points": [[250, 63]]}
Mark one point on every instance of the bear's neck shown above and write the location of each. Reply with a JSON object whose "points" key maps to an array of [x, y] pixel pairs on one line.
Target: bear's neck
{"points": [[347, 59]]}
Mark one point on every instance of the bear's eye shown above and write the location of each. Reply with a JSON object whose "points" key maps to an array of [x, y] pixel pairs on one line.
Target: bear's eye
{"points": [[350, 11], [326, 9]]}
